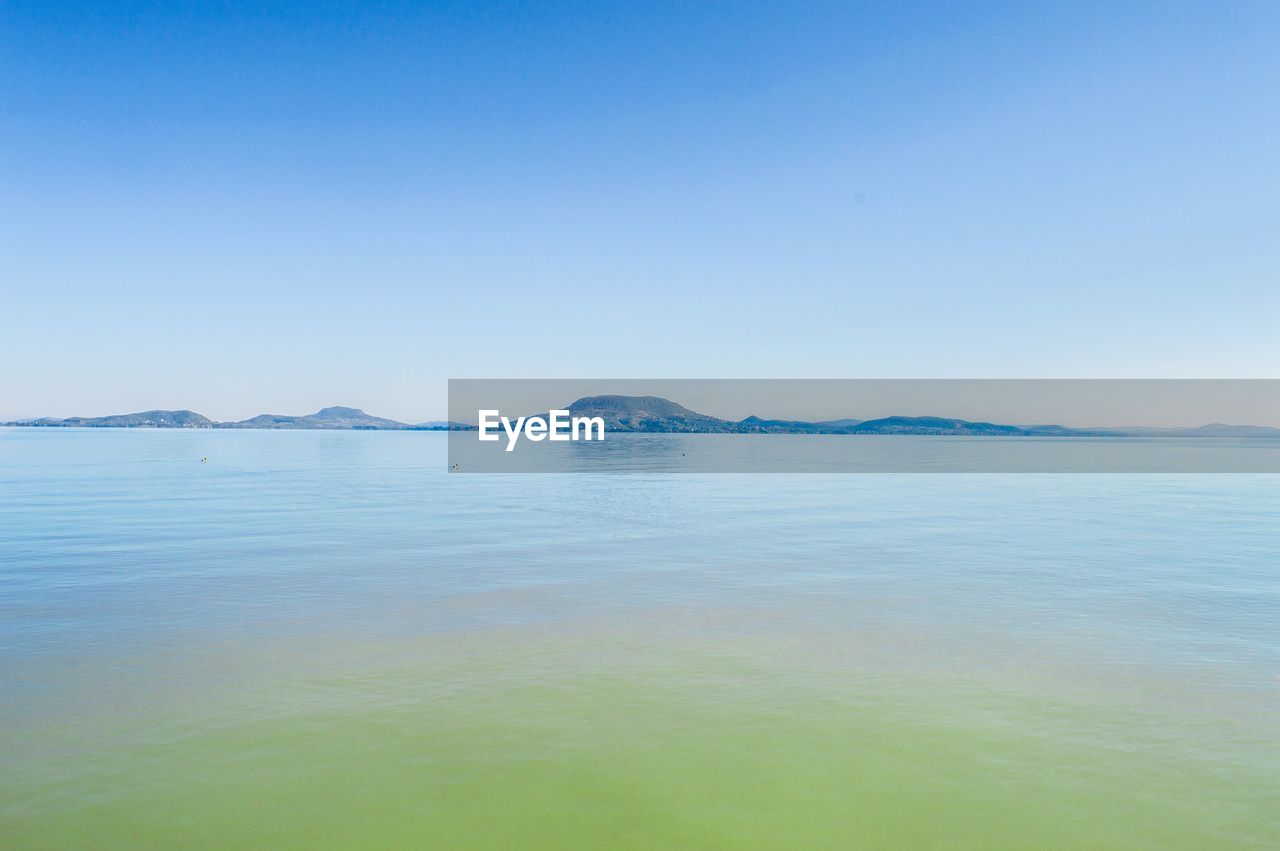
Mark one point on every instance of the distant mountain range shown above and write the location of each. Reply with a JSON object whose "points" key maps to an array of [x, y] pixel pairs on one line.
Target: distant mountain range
{"points": [[145, 419], [655, 415], [325, 418], [330, 418]]}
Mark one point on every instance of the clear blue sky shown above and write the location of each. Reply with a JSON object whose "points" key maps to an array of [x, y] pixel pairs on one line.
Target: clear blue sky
{"points": [[248, 207]]}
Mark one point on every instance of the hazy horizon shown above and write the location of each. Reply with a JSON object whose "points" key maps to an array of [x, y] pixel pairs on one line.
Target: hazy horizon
{"points": [[1108, 403], [1073, 421]]}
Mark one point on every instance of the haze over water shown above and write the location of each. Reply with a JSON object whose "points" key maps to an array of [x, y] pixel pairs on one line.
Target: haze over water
{"points": [[324, 640]]}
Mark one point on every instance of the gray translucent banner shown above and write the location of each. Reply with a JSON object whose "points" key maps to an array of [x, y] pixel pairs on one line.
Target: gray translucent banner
{"points": [[864, 426]]}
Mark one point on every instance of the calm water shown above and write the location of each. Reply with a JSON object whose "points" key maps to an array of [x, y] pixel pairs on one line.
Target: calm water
{"points": [[841, 453], [324, 640]]}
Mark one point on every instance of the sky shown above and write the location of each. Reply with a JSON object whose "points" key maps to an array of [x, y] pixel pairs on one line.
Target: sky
{"points": [[241, 208]]}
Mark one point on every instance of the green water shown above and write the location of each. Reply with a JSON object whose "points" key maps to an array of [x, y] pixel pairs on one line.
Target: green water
{"points": [[333, 644], [518, 743]]}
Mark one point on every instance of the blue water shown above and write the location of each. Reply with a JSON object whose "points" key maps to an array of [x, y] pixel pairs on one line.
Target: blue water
{"points": [[137, 581]]}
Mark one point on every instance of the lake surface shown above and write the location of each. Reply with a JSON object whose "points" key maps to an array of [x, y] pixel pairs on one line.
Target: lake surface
{"points": [[322, 639], [654, 453]]}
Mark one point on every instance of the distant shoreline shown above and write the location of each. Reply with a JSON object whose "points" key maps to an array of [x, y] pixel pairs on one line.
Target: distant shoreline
{"points": [[648, 415], [326, 419]]}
